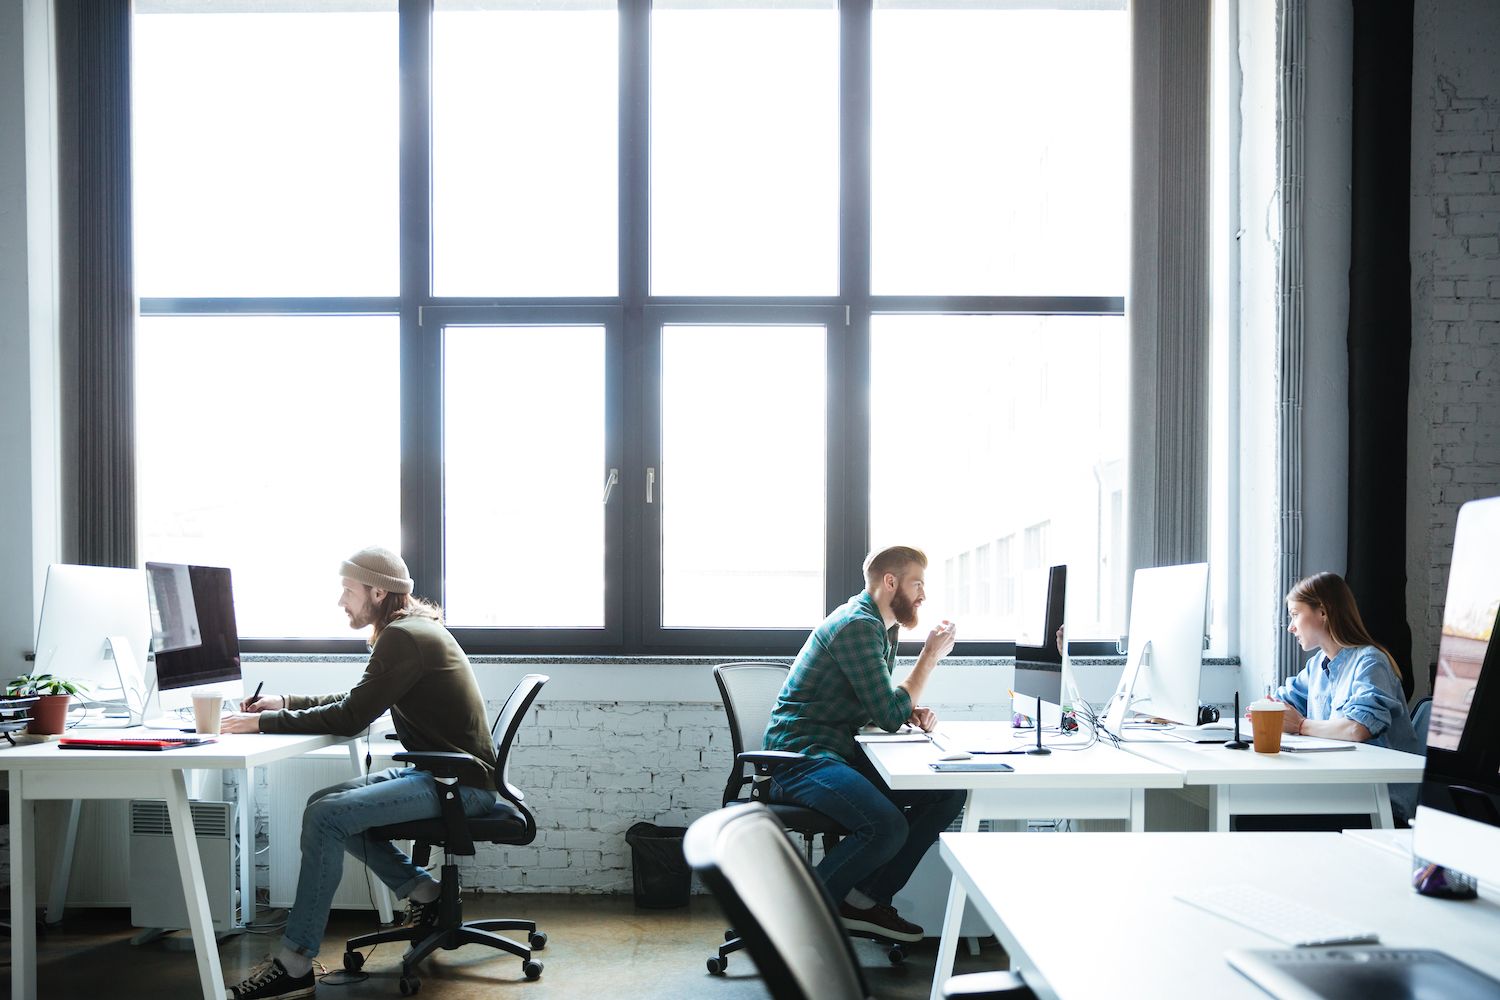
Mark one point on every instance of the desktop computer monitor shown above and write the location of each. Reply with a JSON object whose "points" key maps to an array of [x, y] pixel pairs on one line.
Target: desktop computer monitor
{"points": [[1458, 817], [196, 639], [1168, 611], [95, 628], [1045, 650]]}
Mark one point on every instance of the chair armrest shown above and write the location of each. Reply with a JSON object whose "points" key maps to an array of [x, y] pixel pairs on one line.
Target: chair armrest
{"points": [[768, 761], [393, 735], [987, 986], [443, 764]]}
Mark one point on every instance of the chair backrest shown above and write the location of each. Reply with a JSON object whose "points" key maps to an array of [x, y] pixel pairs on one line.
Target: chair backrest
{"points": [[503, 735], [749, 691], [778, 906], [1421, 715]]}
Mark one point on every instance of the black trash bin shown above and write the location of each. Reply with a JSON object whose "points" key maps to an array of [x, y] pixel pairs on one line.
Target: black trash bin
{"points": [[661, 873]]}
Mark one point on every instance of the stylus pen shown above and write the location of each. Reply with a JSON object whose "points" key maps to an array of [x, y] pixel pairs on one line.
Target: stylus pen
{"points": [[257, 692]]}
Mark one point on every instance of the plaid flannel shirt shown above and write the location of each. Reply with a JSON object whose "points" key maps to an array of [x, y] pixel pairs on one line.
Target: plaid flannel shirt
{"points": [[840, 682]]}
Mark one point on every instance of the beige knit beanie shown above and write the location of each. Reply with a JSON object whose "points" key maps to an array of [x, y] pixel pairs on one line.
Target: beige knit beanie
{"points": [[378, 567]]}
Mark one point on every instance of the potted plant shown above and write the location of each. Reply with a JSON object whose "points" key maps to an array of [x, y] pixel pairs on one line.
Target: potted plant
{"points": [[50, 713]]}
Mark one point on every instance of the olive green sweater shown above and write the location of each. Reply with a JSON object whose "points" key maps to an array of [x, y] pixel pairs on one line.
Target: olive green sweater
{"points": [[420, 674]]}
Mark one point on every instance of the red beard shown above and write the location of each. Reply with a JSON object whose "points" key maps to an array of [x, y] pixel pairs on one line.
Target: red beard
{"points": [[904, 610]]}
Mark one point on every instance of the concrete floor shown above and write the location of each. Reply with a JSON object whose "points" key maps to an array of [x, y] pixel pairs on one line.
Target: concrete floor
{"points": [[597, 946]]}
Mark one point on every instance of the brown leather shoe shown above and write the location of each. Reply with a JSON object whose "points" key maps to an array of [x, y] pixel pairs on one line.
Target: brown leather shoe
{"points": [[881, 920]]}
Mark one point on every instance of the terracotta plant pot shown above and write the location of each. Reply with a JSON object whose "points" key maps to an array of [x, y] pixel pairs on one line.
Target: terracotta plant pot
{"points": [[49, 716]]}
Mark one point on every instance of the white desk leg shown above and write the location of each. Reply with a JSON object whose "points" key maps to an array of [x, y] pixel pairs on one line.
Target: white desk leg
{"points": [[195, 893], [382, 895], [22, 891], [247, 846], [1137, 810], [62, 866], [1218, 808], [953, 916], [1382, 819]]}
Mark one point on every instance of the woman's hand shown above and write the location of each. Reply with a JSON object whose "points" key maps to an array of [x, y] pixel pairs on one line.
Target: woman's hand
{"points": [[1291, 719]]}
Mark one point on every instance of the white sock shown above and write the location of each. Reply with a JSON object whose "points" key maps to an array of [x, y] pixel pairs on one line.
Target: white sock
{"points": [[859, 900], [295, 964], [425, 892]]}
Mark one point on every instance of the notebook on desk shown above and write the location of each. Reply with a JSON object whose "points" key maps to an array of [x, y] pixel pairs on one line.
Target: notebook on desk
{"points": [[132, 742]]}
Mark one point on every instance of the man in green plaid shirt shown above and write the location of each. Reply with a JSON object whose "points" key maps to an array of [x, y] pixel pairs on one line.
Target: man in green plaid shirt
{"points": [[840, 682]]}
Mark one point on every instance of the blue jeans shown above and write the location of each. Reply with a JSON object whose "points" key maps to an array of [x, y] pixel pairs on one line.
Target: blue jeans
{"points": [[888, 831], [336, 820]]}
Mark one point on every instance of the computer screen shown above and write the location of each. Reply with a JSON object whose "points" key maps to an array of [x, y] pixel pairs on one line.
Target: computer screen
{"points": [[1045, 649], [193, 603], [83, 608], [1458, 819], [1168, 611]]}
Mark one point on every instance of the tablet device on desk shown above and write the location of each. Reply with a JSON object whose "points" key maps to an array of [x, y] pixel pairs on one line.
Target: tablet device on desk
{"points": [[1361, 973], [969, 765], [133, 743]]}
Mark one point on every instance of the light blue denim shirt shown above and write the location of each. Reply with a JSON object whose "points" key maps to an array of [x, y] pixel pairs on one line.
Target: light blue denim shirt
{"points": [[1360, 685]]}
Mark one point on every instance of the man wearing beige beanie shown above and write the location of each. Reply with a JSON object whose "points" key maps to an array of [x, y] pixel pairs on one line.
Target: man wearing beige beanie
{"points": [[418, 672]]}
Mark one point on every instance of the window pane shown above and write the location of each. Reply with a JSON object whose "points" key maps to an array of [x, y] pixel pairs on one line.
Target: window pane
{"points": [[741, 486], [265, 150], [1004, 432], [524, 148], [1000, 150], [260, 446], [523, 457], [744, 157]]}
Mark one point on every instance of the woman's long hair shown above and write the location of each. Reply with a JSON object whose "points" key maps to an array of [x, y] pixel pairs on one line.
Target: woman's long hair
{"points": [[1329, 592]]}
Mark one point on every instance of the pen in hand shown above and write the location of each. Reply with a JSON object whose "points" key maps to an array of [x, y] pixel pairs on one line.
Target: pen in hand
{"points": [[252, 699]]}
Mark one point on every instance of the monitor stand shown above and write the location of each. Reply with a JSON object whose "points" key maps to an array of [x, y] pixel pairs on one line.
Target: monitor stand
{"points": [[132, 680], [1120, 708]]}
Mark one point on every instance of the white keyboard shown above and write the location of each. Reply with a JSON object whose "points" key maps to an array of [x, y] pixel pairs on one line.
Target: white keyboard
{"points": [[1287, 920]]}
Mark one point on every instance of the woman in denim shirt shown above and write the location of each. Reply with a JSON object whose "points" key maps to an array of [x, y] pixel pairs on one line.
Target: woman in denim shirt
{"points": [[1351, 688]]}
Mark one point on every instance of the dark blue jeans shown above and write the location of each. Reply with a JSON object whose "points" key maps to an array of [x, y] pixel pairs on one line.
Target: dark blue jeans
{"points": [[888, 831]]}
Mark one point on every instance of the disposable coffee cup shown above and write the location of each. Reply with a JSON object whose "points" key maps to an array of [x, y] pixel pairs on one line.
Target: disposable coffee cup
{"points": [[1265, 722], [206, 711]]}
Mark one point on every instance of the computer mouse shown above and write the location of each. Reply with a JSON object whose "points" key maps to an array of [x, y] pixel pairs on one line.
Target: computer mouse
{"points": [[956, 755]]}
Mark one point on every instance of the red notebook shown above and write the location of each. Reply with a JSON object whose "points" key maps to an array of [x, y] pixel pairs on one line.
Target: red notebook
{"points": [[130, 743]]}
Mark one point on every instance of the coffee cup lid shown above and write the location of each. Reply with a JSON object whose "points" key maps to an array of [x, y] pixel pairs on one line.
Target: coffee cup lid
{"points": [[1267, 705]]}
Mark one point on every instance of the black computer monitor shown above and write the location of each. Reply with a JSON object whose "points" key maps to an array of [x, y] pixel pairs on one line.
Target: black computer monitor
{"points": [[194, 634], [1458, 819], [1047, 652]]}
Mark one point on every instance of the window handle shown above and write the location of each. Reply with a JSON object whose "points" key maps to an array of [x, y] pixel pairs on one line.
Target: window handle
{"points": [[610, 483], [650, 482]]}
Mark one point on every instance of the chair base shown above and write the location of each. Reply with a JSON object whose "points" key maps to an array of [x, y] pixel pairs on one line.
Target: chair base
{"points": [[895, 951], [449, 933]]}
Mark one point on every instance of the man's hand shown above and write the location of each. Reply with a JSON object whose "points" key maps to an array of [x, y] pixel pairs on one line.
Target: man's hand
{"points": [[265, 703], [1060, 640], [924, 719], [940, 640], [240, 723]]}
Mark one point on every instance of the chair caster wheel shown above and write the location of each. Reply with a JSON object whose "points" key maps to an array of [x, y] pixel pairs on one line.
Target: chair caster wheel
{"points": [[532, 969], [538, 940], [730, 935], [353, 961], [716, 966], [409, 985], [896, 955]]}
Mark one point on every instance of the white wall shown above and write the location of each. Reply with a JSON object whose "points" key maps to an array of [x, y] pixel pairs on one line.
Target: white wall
{"points": [[1454, 403]]}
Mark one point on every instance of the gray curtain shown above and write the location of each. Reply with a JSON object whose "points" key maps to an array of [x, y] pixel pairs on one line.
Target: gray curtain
{"points": [[96, 284]]}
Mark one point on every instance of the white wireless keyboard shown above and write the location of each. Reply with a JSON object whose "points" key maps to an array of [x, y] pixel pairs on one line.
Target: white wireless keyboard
{"points": [[1286, 920]]}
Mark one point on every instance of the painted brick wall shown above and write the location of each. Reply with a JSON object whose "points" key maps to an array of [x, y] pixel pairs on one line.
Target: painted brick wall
{"points": [[1455, 376]]}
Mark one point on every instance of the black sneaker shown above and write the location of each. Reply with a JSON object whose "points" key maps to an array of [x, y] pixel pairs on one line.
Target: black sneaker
{"points": [[422, 915], [272, 980], [881, 920]]}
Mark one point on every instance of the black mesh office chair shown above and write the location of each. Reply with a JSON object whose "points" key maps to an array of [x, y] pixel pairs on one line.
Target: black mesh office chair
{"points": [[749, 691], [785, 916], [509, 822]]}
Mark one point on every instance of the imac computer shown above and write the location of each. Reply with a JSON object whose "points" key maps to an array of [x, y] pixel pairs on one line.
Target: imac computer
{"points": [[95, 628], [1039, 668], [1168, 610], [1458, 816], [197, 643]]}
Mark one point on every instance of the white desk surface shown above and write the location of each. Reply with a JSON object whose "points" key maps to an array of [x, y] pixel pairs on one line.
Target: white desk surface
{"points": [[1095, 913], [1211, 764], [234, 751], [904, 766]]}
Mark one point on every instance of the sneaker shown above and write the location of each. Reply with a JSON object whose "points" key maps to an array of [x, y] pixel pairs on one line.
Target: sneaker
{"points": [[880, 920], [272, 980], [422, 915]]}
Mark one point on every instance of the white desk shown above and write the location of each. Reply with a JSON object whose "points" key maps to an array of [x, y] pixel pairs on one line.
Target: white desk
{"points": [[43, 771], [1094, 915], [1095, 783], [1243, 782]]}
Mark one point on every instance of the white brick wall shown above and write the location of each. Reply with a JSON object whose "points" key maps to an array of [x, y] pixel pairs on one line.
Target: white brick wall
{"points": [[1455, 374]]}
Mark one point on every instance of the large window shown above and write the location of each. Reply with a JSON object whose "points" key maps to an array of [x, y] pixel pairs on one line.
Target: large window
{"points": [[634, 326]]}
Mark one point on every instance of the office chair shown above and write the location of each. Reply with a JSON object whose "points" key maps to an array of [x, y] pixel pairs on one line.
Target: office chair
{"points": [[509, 822], [1421, 718], [787, 919], [749, 691]]}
